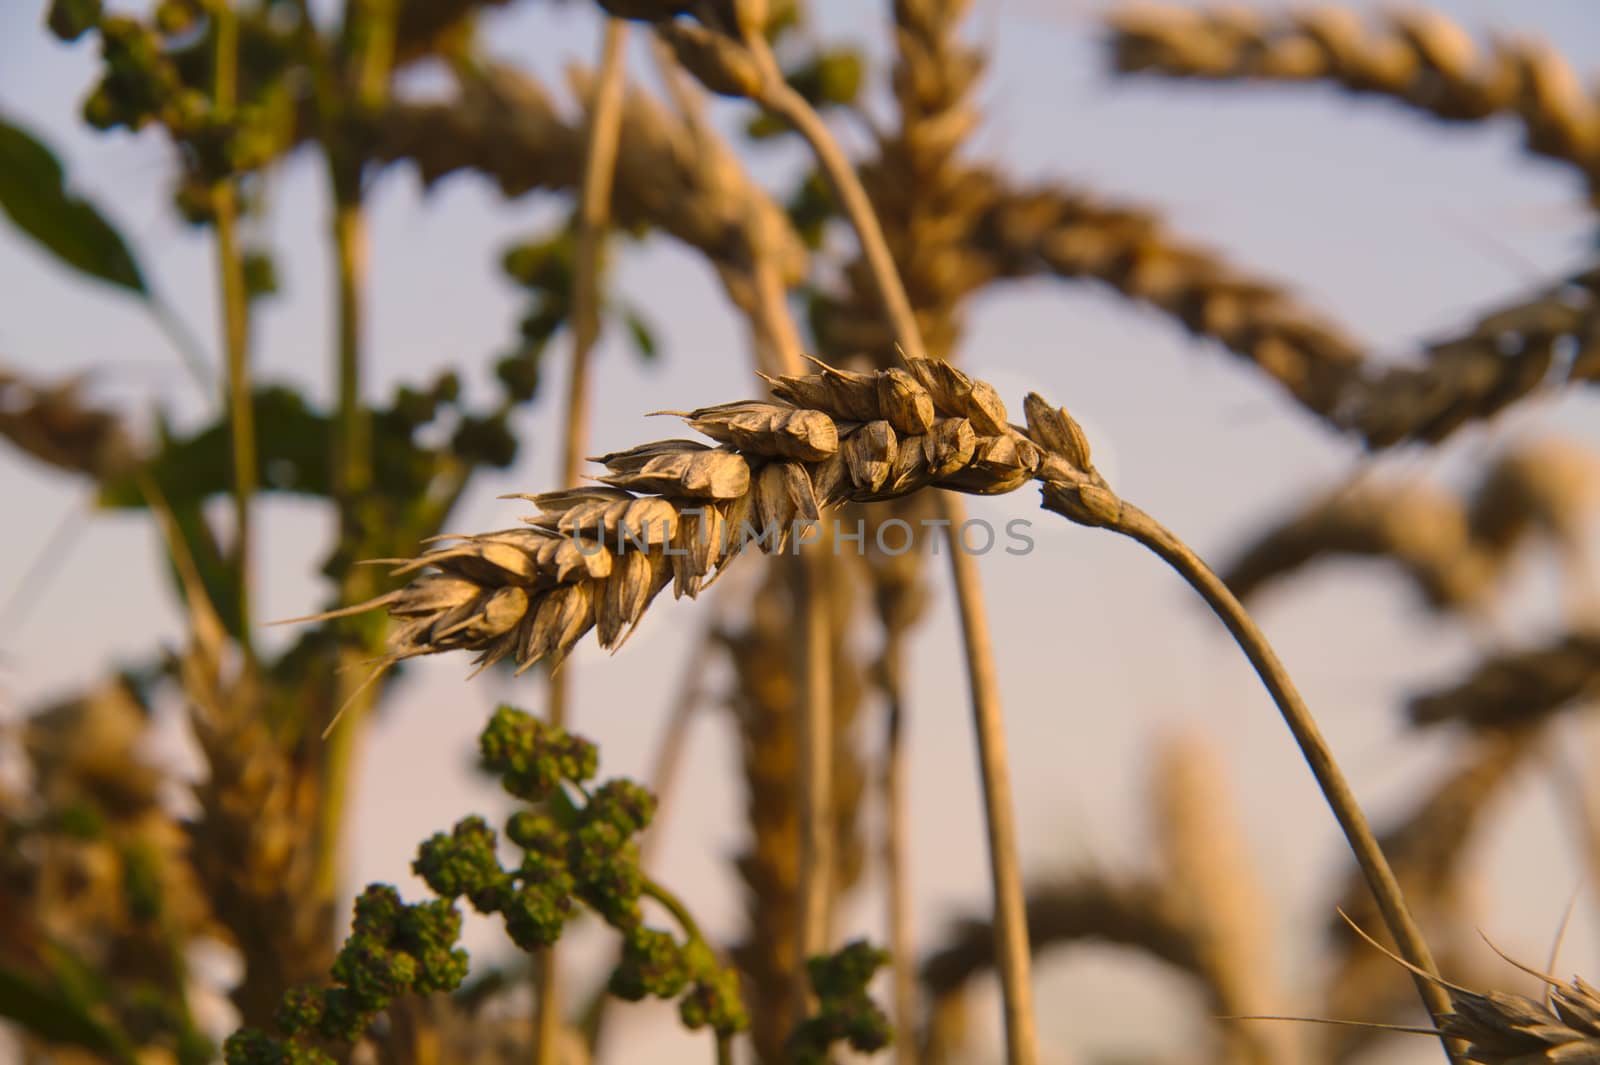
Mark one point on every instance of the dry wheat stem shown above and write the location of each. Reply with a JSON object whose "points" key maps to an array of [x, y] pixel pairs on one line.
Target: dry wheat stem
{"points": [[1419, 58], [1428, 849], [1133, 522], [1005, 861]]}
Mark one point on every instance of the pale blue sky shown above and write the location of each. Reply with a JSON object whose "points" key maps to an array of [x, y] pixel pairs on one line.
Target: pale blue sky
{"points": [[1398, 228]]}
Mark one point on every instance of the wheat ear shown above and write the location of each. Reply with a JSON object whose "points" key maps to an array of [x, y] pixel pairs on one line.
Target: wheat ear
{"points": [[1418, 58]]}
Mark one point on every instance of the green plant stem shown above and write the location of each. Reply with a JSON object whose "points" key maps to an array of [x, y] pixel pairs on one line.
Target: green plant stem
{"points": [[680, 913], [352, 467], [664, 774], [235, 324], [1011, 930], [1136, 524], [350, 451]]}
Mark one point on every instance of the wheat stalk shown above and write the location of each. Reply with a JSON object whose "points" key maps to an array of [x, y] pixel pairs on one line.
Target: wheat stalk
{"points": [[1429, 847], [924, 195], [602, 134], [1418, 58]]}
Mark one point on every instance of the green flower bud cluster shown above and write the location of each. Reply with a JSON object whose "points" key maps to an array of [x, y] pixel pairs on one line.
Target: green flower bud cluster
{"points": [[393, 948], [532, 758], [160, 71], [845, 1013], [574, 850]]}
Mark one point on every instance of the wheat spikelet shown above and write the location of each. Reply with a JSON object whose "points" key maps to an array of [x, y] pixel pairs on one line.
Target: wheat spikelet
{"points": [[1499, 1028], [424, 27], [1517, 687], [1419, 58], [1073, 234], [594, 558], [1429, 849], [1553, 335], [764, 701], [1211, 874]]}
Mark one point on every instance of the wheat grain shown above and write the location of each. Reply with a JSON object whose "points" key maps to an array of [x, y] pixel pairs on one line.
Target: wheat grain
{"points": [[1548, 486], [1499, 1028], [254, 845]]}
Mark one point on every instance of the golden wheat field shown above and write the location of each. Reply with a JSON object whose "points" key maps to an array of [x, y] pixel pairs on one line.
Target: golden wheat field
{"points": [[789, 532]]}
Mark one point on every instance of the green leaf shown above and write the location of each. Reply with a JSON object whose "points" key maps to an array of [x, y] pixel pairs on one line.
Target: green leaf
{"points": [[33, 193], [642, 332]]}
